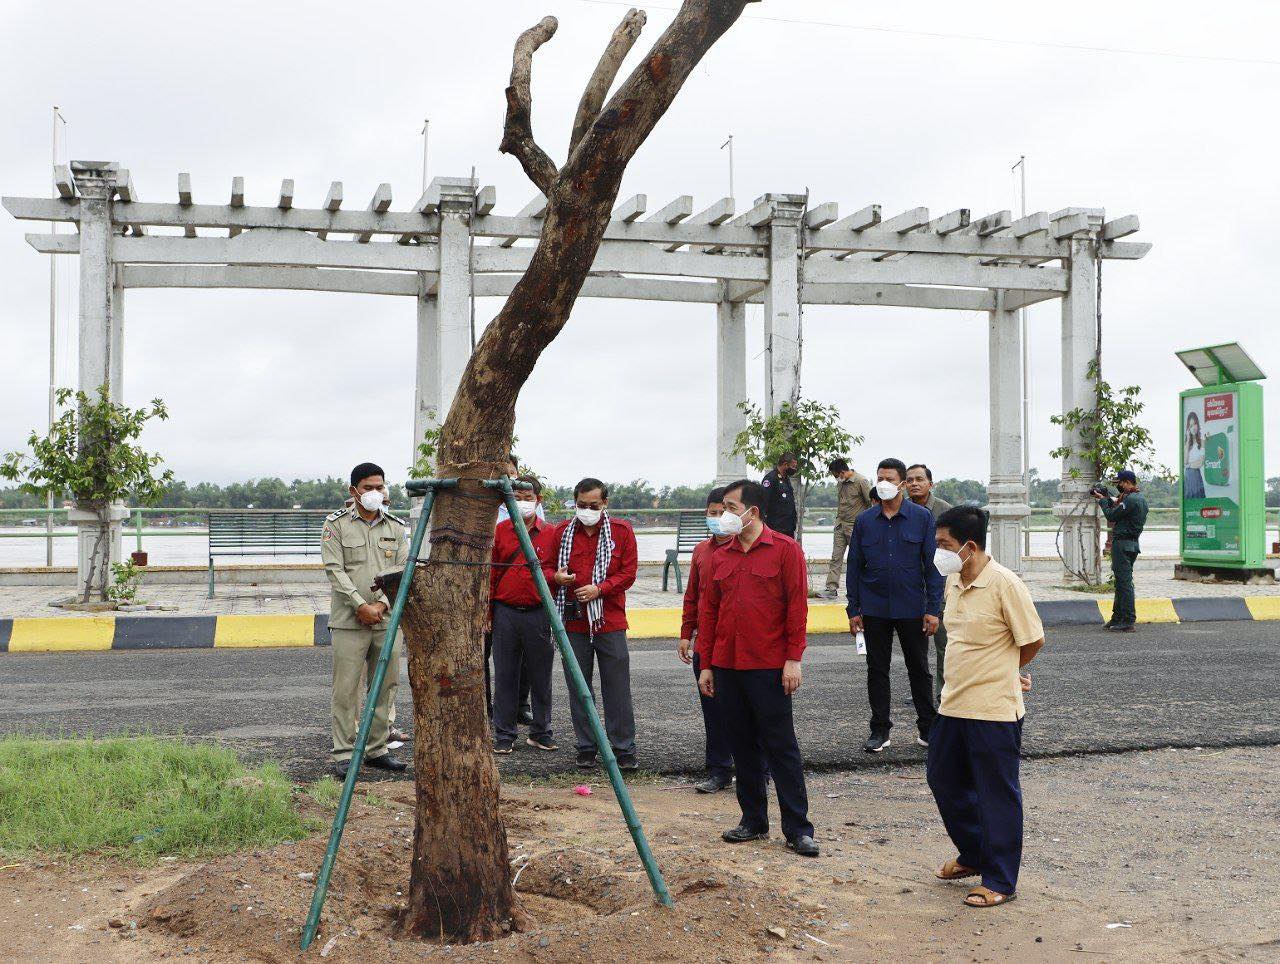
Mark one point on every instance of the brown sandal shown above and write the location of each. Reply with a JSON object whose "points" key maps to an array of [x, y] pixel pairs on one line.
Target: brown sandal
{"points": [[954, 870], [981, 897]]}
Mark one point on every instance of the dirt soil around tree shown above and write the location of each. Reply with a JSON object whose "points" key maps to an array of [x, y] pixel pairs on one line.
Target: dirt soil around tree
{"points": [[1129, 857]]}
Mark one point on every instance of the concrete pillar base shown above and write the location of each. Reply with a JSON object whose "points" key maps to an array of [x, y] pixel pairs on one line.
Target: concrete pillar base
{"points": [[1081, 539], [111, 549]]}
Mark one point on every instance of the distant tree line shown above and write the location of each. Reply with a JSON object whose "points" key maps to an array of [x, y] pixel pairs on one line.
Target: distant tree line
{"points": [[331, 492]]}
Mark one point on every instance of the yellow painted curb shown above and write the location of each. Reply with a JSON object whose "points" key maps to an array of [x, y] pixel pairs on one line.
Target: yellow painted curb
{"points": [[51, 634], [654, 623], [1260, 607], [665, 623], [828, 619], [1149, 610], [264, 631]]}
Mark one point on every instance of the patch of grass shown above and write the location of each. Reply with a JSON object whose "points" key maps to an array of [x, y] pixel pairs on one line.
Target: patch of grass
{"points": [[327, 791], [138, 798], [1101, 589]]}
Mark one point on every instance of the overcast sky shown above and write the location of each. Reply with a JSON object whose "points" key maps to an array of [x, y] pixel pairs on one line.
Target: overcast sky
{"points": [[305, 384]]}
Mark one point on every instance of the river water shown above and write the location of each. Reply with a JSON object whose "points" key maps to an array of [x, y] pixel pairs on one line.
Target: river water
{"points": [[193, 549]]}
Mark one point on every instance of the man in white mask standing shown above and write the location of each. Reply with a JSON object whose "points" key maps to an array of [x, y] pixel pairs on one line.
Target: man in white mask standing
{"points": [[520, 627], [595, 567], [894, 588], [360, 542], [975, 746]]}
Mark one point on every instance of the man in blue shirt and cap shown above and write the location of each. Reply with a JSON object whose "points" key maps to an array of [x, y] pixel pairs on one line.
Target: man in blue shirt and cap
{"points": [[894, 587]]}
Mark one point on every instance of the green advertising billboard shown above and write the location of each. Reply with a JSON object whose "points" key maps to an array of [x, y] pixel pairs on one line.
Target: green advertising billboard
{"points": [[1223, 486]]}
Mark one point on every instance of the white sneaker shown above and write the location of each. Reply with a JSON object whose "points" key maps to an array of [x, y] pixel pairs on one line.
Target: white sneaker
{"points": [[922, 741], [394, 744]]}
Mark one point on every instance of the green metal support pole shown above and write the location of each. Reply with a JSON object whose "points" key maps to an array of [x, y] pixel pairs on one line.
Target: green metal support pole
{"points": [[427, 489], [137, 516], [582, 693]]}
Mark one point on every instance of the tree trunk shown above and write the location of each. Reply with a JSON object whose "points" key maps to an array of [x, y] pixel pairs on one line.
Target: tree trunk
{"points": [[460, 885]]}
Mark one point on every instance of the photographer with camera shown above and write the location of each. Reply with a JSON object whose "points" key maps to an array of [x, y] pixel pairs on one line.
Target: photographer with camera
{"points": [[596, 566], [1127, 513]]}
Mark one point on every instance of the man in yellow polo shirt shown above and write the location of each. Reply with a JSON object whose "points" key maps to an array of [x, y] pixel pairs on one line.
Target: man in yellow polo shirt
{"points": [[975, 745]]}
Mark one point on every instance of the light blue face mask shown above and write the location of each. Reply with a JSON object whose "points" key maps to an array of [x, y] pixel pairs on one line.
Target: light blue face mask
{"points": [[713, 525]]}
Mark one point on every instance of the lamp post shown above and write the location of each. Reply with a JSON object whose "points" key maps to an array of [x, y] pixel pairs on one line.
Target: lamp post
{"points": [[1021, 168]]}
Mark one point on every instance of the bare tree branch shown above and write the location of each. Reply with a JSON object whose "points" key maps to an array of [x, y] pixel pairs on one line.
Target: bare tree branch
{"points": [[517, 134], [620, 44]]}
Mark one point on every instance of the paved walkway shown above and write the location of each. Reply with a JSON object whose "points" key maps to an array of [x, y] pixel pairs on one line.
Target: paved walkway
{"points": [[312, 596]]}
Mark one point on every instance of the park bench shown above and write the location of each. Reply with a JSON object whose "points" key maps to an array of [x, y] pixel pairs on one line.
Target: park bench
{"points": [[282, 532], [691, 528]]}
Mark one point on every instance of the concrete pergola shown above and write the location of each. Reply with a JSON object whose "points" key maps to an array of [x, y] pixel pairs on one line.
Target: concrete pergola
{"points": [[450, 246]]}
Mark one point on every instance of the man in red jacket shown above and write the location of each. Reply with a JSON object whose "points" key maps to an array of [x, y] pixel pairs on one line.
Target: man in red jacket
{"points": [[520, 627], [595, 566], [719, 756], [751, 637]]}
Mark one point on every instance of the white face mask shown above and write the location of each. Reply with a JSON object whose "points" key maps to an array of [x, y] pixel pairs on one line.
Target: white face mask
{"points": [[732, 524], [371, 500], [947, 562], [886, 490], [589, 517], [528, 507]]}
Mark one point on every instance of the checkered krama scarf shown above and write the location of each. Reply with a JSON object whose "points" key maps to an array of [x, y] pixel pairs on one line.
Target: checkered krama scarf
{"points": [[599, 569]]}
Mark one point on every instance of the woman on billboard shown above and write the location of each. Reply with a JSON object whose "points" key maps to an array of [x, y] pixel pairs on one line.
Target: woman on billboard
{"points": [[1193, 460]]}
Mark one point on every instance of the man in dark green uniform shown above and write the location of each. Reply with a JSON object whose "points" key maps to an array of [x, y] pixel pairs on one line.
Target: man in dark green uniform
{"points": [[1127, 513]]}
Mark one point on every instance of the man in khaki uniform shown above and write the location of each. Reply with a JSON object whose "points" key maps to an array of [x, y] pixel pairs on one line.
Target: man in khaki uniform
{"points": [[853, 496], [360, 542]]}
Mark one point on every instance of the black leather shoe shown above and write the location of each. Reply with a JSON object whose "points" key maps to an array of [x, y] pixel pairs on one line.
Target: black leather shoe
{"points": [[714, 784], [525, 716], [586, 761], [340, 769], [742, 834], [804, 846], [1118, 628], [628, 764], [388, 762]]}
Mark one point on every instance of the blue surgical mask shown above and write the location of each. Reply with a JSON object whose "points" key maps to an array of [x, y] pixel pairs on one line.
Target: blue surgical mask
{"points": [[713, 525]]}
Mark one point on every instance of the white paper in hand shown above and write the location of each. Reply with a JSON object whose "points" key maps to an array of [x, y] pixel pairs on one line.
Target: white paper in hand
{"points": [[861, 642]]}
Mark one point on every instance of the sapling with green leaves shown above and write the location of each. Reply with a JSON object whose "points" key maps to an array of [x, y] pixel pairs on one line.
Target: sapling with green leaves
{"points": [[91, 454]]}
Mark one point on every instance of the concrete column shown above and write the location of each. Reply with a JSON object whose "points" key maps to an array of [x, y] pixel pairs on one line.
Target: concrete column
{"points": [[100, 345], [731, 388], [426, 401], [783, 337], [1080, 531], [453, 302], [1007, 495]]}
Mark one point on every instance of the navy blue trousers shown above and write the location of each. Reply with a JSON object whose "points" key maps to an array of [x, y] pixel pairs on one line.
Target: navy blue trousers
{"points": [[719, 753], [756, 712], [973, 773]]}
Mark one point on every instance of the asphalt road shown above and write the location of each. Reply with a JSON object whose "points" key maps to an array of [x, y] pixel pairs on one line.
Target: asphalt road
{"points": [[1204, 684]]}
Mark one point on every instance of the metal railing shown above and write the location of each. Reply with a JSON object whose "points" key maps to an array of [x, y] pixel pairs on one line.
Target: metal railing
{"points": [[42, 522]]}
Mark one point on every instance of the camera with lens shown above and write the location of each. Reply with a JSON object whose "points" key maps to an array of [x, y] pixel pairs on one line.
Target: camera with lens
{"points": [[1100, 491], [572, 608]]}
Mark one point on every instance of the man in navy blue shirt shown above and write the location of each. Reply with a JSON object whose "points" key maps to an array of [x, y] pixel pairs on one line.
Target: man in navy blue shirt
{"points": [[894, 587]]}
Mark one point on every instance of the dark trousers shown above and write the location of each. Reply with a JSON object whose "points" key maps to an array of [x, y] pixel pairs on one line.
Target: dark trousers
{"points": [[939, 647], [1124, 553], [488, 679], [522, 647], [915, 651], [719, 752], [610, 651], [973, 773], [756, 712]]}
